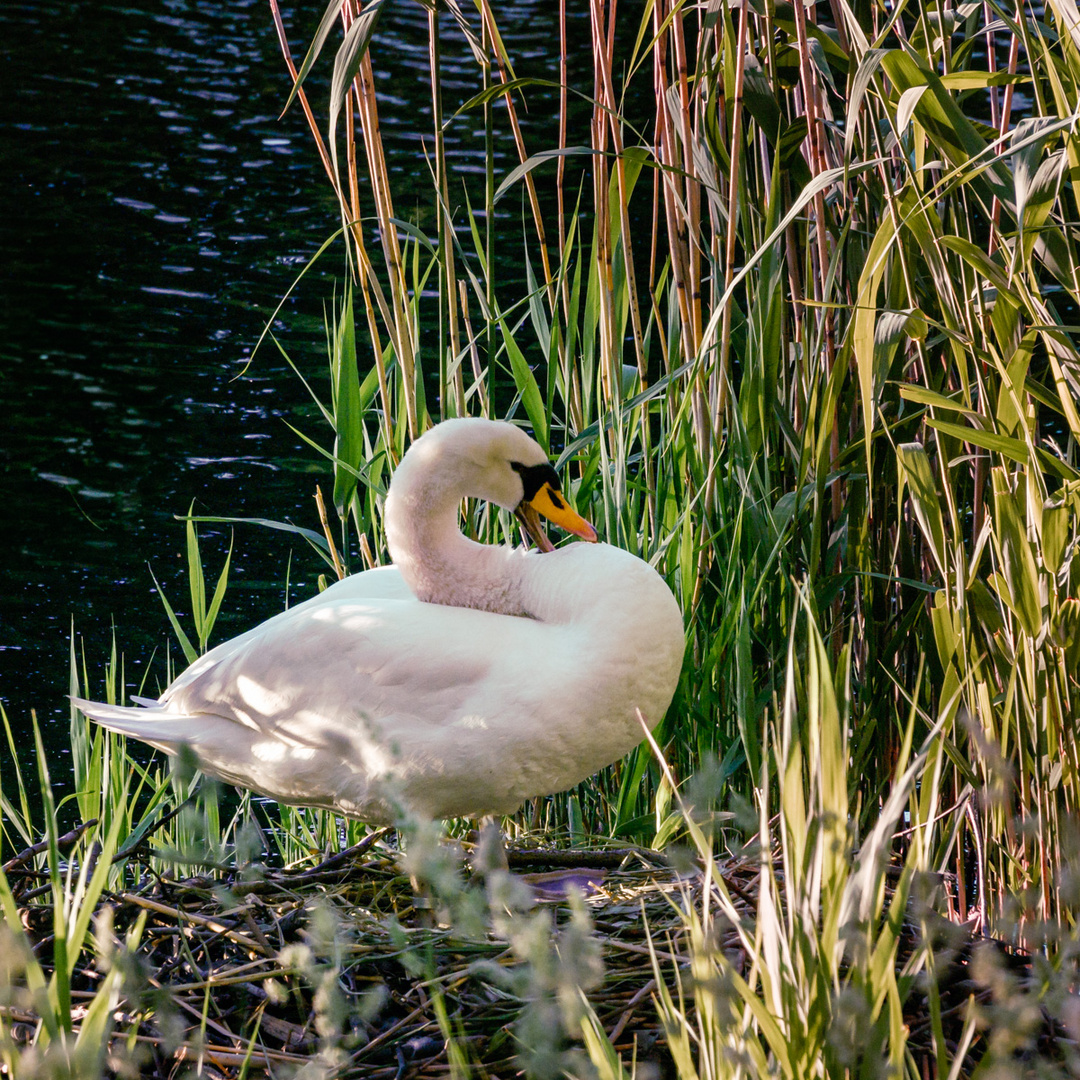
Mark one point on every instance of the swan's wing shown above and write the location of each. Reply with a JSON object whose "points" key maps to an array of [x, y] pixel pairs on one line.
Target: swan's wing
{"points": [[313, 675], [382, 583]]}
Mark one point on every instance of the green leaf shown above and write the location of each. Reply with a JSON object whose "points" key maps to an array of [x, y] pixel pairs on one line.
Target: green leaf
{"points": [[527, 166], [980, 80], [979, 261], [326, 24], [497, 90], [219, 593], [527, 387], [190, 651], [349, 442], [1013, 449], [923, 396], [1018, 560], [195, 576], [314, 538], [350, 56], [924, 497]]}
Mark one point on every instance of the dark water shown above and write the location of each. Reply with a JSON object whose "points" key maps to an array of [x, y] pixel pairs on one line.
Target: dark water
{"points": [[156, 210]]}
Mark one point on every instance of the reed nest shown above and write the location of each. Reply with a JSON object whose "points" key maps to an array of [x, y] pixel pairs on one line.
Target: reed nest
{"points": [[216, 982]]}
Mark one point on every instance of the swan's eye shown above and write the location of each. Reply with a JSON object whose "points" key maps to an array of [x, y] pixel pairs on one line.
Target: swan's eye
{"points": [[534, 477]]}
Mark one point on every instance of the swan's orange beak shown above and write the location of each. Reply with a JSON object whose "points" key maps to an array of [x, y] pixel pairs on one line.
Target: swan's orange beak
{"points": [[549, 503]]}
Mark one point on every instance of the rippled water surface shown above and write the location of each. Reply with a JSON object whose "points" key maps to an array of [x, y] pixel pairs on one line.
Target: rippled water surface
{"points": [[156, 212]]}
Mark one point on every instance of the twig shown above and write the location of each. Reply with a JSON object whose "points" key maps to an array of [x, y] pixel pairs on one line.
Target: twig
{"points": [[196, 920], [69, 839]]}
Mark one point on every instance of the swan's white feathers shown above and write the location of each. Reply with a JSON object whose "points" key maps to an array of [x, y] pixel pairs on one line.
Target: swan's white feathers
{"points": [[365, 698]]}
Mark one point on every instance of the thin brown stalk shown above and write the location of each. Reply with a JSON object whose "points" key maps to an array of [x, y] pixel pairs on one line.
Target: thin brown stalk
{"points": [[400, 325], [815, 141], [519, 143], [350, 215], [723, 364], [447, 294], [603, 58], [609, 372], [283, 41], [674, 220], [339, 569]]}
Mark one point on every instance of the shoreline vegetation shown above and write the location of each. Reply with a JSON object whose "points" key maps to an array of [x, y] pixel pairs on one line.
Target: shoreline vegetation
{"points": [[805, 338]]}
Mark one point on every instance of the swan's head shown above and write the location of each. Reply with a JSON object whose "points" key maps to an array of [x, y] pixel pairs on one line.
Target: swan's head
{"points": [[491, 460]]}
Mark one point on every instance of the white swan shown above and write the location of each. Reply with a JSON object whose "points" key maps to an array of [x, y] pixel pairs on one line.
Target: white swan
{"points": [[460, 681]]}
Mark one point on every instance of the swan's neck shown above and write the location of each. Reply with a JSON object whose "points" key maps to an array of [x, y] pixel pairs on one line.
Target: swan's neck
{"points": [[438, 563]]}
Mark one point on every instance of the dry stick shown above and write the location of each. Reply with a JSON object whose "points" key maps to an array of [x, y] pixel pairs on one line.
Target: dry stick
{"points": [[339, 569], [225, 1056], [390, 1031], [344, 856], [631, 1007], [67, 840], [221, 1030], [126, 853]]}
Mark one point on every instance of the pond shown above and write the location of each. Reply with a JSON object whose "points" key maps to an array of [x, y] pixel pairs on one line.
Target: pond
{"points": [[158, 210]]}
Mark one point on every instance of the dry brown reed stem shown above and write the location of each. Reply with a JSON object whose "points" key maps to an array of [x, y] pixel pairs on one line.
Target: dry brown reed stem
{"points": [[447, 294], [815, 134], [502, 63], [339, 569], [399, 321], [350, 157], [350, 217], [603, 57], [560, 164], [283, 41], [474, 353], [604, 257], [723, 363], [683, 210], [663, 152]]}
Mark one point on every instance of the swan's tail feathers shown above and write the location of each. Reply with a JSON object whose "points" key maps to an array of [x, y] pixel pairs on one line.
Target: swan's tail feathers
{"points": [[150, 722]]}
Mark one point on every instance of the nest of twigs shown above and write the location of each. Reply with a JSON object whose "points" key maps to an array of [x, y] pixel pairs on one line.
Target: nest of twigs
{"points": [[218, 980]]}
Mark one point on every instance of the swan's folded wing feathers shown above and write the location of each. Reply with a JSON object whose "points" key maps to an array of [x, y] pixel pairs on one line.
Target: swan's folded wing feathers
{"points": [[375, 663]]}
